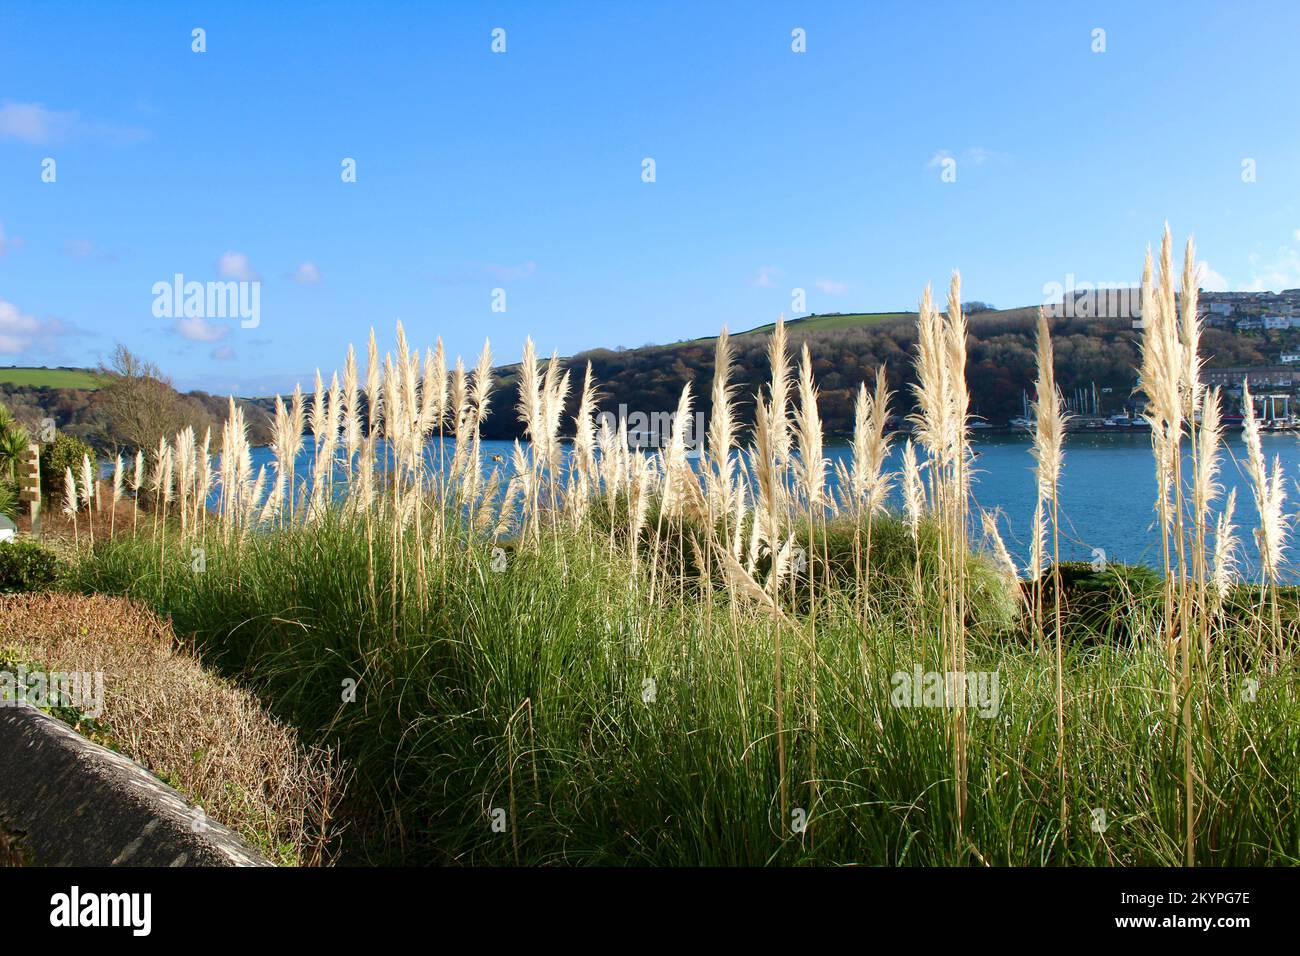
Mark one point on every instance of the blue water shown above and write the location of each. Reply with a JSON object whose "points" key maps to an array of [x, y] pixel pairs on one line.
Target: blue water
{"points": [[1108, 494], [1108, 490]]}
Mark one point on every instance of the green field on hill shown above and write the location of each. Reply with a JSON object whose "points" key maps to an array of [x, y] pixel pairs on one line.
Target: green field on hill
{"points": [[50, 377], [808, 323], [826, 323]]}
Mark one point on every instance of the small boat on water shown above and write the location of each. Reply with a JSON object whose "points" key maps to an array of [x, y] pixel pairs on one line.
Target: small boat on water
{"points": [[1279, 425], [1089, 424], [1126, 422]]}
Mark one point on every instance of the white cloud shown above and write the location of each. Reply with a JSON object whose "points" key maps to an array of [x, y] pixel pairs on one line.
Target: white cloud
{"points": [[979, 155], [1212, 281], [21, 332], [235, 265], [200, 330], [16, 330], [831, 286], [306, 274], [223, 354], [764, 277], [938, 158]]}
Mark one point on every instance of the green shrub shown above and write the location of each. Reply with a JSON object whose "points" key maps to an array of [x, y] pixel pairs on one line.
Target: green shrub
{"points": [[63, 453], [26, 565], [1111, 606]]}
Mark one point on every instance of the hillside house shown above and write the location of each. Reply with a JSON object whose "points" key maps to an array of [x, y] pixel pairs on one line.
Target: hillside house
{"points": [[1260, 377]]}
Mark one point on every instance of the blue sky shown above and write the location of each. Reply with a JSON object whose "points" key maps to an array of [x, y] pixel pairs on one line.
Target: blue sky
{"points": [[774, 170]]}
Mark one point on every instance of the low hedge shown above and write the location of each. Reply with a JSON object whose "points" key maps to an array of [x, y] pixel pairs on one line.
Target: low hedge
{"points": [[26, 565]]}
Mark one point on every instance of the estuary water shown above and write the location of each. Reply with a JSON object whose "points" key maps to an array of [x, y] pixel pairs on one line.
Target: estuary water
{"points": [[1108, 490], [1108, 493]]}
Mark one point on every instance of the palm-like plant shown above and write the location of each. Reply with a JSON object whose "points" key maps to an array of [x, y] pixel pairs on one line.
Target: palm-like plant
{"points": [[13, 445], [13, 442]]}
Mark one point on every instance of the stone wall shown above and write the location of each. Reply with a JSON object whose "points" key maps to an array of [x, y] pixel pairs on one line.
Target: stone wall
{"points": [[66, 801]]}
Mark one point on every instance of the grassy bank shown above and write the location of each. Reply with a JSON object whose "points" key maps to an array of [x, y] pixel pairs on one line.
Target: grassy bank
{"points": [[527, 690]]}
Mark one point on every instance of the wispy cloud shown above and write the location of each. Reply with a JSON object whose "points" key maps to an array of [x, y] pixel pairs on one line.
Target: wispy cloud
{"points": [[765, 277], [306, 274], [219, 382], [481, 271], [1269, 272], [198, 329], [36, 125], [235, 265], [831, 286], [938, 158], [975, 155], [224, 354], [524, 270], [33, 123], [1277, 270], [8, 243], [83, 249]]}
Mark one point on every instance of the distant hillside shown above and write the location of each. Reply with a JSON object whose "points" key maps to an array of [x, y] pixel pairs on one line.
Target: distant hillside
{"points": [[846, 350]]}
